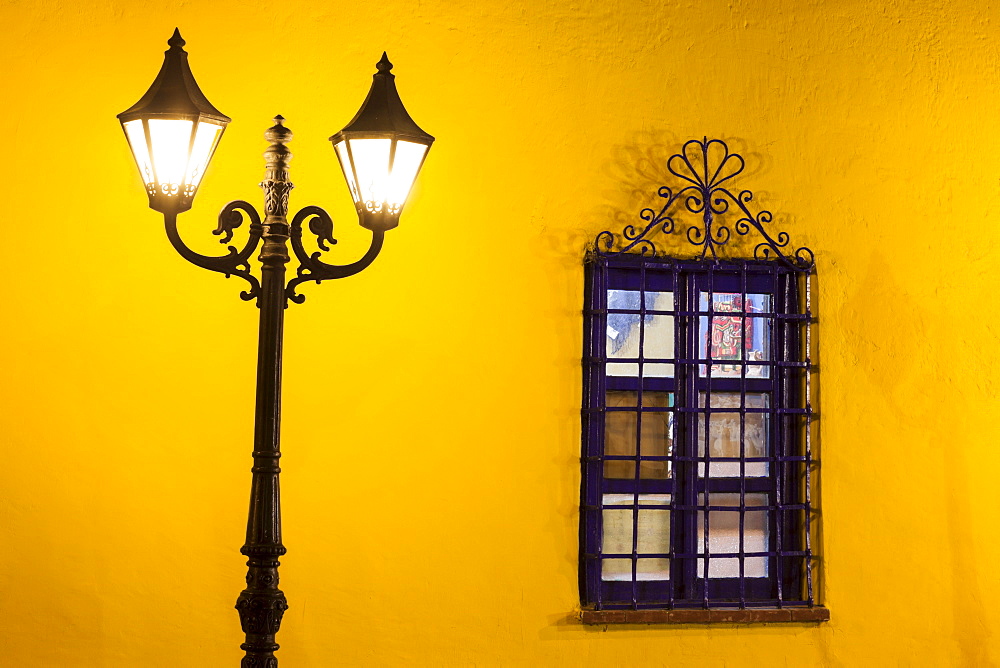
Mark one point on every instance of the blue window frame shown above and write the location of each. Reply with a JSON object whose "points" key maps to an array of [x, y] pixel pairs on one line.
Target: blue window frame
{"points": [[696, 460]]}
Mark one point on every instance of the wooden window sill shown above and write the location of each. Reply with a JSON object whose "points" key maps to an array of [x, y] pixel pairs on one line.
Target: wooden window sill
{"points": [[812, 615]]}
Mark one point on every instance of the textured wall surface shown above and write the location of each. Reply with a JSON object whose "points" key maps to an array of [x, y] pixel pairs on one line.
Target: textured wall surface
{"points": [[431, 414]]}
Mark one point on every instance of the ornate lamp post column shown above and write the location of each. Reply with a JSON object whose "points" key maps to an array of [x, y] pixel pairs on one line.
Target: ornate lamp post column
{"points": [[262, 604], [173, 131]]}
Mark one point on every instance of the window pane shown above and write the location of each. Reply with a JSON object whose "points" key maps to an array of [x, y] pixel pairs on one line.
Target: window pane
{"points": [[623, 333], [724, 434], [724, 536], [653, 537], [620, 432], [735, 335]]}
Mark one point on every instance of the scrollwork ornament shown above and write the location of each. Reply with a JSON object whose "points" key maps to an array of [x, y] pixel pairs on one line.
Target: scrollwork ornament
{"points": [[705, 168], [236, 261], [311, 266], [695, 235], [231, 218]]}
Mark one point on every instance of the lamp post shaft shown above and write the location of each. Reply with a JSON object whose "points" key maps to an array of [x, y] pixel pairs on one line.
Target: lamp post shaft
{"points": [[262, 604]]}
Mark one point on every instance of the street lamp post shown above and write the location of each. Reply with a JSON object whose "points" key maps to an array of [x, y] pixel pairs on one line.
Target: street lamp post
{"points": [[173, 131]]}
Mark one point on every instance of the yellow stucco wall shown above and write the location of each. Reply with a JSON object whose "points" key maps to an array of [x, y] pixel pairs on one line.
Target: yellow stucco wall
{"points": [[431, 430]]}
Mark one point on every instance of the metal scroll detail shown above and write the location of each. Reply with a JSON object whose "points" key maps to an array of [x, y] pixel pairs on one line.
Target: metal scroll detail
{"points": [[272, 231], [236, 262], [706, 168], [311, 267]]}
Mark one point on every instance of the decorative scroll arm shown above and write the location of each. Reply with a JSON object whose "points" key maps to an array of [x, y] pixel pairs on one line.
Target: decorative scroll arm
{"points": [[236, 262], [311, 267]]}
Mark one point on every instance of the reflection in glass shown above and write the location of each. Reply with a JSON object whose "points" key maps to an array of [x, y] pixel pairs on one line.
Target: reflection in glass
{"points": [[653, 537], [656, 438], [623, 333], [735, 334], [724, 536], [724, 434]]}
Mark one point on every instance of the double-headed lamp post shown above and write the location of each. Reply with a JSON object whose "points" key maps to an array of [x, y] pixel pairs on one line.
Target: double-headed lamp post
{"points": [[173, 131]]}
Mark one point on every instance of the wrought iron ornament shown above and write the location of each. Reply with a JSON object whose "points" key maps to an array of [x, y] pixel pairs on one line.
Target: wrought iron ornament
{"points": [[275, 230], [706, 168]]}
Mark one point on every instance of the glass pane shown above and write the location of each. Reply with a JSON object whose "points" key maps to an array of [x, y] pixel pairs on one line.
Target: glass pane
{"points": [[724, 434], [170, 141], [405, 164], [204, 144], [620, 430], [345, 166], [371, 162], [724, 536], [623, 333], [735, 335], [137, 140], [653, 537]]}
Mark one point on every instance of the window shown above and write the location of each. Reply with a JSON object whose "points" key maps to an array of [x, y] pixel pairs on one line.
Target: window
{"points": [[696, 452], [698, 466]]}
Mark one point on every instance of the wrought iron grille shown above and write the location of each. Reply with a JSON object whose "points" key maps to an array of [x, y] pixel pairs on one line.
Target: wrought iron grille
{"points": [[698, 466]]}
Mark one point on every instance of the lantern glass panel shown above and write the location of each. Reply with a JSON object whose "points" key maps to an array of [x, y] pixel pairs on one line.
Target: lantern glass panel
{"points": [[170, 144], [405, 165], [345, 165], [137, 140], [371, 165], [205, 140]]}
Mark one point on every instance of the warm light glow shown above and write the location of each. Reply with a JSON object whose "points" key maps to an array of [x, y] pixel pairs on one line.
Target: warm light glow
{"points": [[171, 163], [377, 187], [170, 143], [371, 164]]}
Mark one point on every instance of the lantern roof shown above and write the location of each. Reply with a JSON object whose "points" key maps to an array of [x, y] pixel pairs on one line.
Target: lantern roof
{"points": [[174, 93], [382, 112]]}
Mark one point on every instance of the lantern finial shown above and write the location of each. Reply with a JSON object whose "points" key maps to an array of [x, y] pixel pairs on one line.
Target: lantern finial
{"points": [[384, 65], [176, 41]]}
